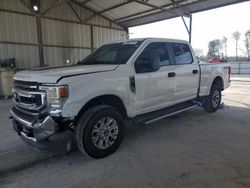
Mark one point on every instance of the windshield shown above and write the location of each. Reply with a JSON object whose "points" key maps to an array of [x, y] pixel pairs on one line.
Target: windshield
{"points": [[117, 53]]}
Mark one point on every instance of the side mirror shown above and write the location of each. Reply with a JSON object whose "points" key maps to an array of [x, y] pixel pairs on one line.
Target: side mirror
{"points": [[147, 63]]}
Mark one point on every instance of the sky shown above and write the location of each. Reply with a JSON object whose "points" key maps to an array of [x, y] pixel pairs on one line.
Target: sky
{"points": [[207, 26]]}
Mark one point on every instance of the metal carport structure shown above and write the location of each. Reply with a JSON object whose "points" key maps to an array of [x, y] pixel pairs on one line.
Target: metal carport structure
{"points": [[61, 30], [131, 13]]}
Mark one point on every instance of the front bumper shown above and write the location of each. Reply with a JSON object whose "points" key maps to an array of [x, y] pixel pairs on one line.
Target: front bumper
{"points": [[42, 133]]}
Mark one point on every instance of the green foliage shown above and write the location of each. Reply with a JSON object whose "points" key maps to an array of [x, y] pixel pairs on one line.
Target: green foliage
{"points": [[214, 48]]}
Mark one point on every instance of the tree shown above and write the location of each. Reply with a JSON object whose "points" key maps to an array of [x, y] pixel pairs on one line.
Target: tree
{"points": [[247, 44], [214, 48], [199, 54], [224, 44], [236, 37]]}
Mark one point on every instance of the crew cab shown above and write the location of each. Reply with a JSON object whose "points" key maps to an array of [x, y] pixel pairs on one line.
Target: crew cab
{"points": [[142, 80]]}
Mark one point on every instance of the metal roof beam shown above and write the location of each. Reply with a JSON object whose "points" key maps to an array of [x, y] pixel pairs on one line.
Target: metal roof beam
{"points": [[28, 6], [94, 13], [144, 12], [52, 6], [172, 10], [84, 2], [108, 9], [87, 8], [192, 7], [74, 11], [189, 29], [177, 5], [185, 24], [174, 3], [149, 5], [158, 7], [115, 6]]}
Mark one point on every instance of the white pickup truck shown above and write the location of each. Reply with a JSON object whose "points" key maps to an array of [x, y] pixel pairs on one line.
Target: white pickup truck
{"points": [[142, 80]]}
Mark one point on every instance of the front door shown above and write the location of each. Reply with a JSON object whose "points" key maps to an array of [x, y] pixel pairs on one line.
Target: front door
{"points": [[154, 89]]}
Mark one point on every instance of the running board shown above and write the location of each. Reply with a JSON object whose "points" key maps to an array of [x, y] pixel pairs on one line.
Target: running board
{"points": [[151, 117]]}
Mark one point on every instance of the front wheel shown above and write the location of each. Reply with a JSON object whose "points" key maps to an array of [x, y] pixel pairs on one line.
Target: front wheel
{"points": [[213, 100], [100, 131]]}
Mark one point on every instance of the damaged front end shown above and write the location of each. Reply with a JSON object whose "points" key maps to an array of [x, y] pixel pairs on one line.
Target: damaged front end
{"points": [[36, 116]]}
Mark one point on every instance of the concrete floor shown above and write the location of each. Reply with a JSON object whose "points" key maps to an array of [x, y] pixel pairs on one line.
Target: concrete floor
{"points": [[192, 149]]}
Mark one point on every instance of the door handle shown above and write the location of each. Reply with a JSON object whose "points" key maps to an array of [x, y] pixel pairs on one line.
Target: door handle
{"points": [[171, 74], [195, 71]]}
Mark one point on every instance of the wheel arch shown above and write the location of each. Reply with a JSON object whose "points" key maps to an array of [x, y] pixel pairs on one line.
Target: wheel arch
{"points": [[110, 100], [218, 80]]}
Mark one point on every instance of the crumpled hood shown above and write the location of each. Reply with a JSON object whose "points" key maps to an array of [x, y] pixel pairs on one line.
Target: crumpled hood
{"points": [[53, 74]]}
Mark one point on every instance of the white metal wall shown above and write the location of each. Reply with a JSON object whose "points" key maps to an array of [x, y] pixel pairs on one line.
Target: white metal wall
{"points": [[16, 28], [240, 67], [58, 56], [65, 33], [13, 5], [104, 35], [26, 56], [64, 36], [19, 29]]}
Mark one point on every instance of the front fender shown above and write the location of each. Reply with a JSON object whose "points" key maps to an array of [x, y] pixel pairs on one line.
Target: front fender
{"points": [[83, 89]]}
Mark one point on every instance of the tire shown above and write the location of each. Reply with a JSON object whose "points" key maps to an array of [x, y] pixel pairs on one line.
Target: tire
{"points": [[100, 131], [213, 100]]}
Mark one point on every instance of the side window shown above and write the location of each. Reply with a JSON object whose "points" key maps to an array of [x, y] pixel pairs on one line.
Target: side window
{"points": [[157, 48], [182, 54], [161, 50]]}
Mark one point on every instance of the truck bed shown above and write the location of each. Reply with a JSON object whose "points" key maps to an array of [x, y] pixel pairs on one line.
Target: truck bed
{"points": [[209, 71]]}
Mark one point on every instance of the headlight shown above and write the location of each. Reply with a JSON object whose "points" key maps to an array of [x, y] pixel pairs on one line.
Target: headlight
{"points": [[56, 95]]}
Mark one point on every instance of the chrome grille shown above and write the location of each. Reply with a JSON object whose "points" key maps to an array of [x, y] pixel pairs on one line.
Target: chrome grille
{"points": [[27, 95], [29, 86]]}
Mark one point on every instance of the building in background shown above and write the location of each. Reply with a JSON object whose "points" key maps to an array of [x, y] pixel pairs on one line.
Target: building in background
{"points": [[52, 32]]}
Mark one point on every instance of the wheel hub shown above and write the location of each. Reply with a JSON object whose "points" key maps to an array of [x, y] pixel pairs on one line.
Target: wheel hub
{"points": [[215, 98], [105, 133]]}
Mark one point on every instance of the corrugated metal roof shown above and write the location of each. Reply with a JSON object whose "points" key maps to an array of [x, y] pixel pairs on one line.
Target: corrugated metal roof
{"points": [[98, 5], [161, 2], [123, 13], [128, 9], [65, 14], [128, 13]]}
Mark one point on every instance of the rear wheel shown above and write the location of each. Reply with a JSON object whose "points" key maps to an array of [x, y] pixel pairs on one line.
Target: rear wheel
{"points": [[213, 100], [100, 131]]}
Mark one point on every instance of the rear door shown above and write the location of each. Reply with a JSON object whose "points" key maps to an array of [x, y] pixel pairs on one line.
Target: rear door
{"points": [[186, 72]]}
